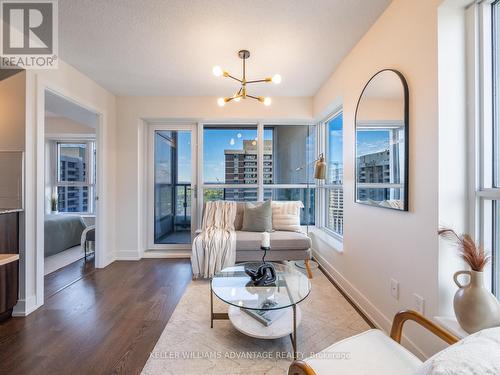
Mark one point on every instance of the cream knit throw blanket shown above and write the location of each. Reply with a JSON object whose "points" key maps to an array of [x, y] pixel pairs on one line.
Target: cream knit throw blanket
{"points": [[215, 247]]}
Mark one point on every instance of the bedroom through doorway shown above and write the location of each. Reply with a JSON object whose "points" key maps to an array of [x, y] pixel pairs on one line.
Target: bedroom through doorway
{"points": [[70, 192]]}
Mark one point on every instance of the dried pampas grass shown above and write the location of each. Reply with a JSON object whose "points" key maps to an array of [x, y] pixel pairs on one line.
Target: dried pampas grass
{"points": [[474, 255]]}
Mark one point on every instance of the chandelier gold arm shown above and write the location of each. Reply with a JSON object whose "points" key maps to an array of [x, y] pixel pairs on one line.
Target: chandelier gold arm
{"points": [[259, 98], [261, 80], [242, 92], [226, 74]]}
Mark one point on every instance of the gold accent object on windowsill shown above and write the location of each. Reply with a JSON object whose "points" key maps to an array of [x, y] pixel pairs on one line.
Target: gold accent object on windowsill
{"points": [[320, 168]]}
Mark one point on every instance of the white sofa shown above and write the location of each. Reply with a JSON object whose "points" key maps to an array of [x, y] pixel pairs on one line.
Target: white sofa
{"points": [[285, 245]]}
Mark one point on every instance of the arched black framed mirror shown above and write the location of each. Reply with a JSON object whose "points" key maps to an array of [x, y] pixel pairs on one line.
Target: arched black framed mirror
{"points": [[382, 130]]}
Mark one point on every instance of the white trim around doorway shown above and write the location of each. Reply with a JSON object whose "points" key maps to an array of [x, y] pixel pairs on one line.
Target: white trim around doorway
{"points": [[38, 205]]}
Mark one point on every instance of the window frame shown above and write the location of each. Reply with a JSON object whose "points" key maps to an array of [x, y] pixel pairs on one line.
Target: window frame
{"points": [[90, 160], [482, 192], [308, 185], [323, 187], [260, 186]]}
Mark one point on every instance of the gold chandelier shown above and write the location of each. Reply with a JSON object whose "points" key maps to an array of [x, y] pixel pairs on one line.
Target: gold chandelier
{"points": [[242, 92]]}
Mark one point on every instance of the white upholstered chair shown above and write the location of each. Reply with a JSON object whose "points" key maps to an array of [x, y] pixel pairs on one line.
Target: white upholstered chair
{"points": [[370, 352]]}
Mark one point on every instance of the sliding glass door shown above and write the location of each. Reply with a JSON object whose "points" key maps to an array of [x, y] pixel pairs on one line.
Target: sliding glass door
{"points": [[171, 186]]}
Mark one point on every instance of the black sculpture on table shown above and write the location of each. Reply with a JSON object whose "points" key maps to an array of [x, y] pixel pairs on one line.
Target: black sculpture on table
{"points": [[263, 274]]}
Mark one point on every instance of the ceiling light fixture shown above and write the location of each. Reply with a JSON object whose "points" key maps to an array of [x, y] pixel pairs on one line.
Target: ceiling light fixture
{"points": [[242, 92]]}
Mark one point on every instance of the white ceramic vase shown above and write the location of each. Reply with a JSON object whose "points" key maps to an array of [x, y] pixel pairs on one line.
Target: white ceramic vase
{"points": [[476, 308]]}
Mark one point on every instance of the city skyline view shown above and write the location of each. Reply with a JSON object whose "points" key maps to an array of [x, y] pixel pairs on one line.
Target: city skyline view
{"points": [[72, 168], [220, 139], [230, 157]]}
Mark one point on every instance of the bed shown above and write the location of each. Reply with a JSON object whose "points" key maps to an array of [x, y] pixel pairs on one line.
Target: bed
{"points": [[62, 232]]}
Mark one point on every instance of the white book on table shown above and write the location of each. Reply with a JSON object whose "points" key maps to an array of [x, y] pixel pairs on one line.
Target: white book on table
{"points": [[265, 317]]}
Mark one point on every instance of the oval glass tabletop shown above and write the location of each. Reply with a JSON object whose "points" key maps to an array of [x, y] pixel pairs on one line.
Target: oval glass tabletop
{"points": [[233, 286]]}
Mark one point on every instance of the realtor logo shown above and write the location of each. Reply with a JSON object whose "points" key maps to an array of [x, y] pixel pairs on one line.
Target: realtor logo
{"points": [[29, 34]]}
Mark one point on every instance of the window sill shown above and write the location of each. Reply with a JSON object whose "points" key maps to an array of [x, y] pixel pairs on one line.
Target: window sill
{"points": [[82, 214], [327, 239]]}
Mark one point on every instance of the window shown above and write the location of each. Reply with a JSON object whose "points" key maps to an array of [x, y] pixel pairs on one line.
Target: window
{"points": [[236, 168], [380, 163], [288, 168], [238, 195], [334, 193], [486, 155], [75, 176], [230, 158], [172, 187], [494, 194]]}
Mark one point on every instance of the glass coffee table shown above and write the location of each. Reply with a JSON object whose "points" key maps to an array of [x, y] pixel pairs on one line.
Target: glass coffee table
{"points": [[279, 301]]}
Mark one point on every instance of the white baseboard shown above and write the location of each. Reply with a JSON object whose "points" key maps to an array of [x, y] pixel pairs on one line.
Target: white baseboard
{"points": [[24, 307], [379, 319], [173, 254], [152, 254], [127, 255]]}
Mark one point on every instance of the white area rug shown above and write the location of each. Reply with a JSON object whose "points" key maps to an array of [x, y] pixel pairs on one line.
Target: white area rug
{"points": [[189, 346], [62, 259]]}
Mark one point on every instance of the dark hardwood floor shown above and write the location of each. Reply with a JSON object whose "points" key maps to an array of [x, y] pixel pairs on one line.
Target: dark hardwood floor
{"points": [[61, 278], [105, 323]]}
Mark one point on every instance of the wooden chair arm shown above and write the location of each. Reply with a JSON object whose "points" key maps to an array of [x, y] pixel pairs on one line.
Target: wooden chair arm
{"points": [[300, 368], [401, 317]]}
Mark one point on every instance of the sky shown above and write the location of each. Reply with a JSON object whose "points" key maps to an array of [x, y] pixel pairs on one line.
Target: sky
{"points": [[184, 156], [371, 141], [162, 158], [335, 148]]}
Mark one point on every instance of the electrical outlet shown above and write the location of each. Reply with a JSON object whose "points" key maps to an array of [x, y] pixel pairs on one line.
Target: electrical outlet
{"points": [[395, 288], [418, 303]]}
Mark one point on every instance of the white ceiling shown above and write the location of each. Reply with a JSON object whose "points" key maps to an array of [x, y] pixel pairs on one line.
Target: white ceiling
{"points": [[168, 47]]}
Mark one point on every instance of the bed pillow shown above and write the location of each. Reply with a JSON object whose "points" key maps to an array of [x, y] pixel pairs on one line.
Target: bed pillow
{"points": [[476, 354], [257, 217], [286, 215]]}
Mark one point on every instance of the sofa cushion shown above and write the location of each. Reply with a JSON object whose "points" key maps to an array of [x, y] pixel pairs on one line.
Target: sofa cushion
{"points": [[238, 220], [286, 215], [280, 240], [370, 352], [258, 217], [478, 353]]}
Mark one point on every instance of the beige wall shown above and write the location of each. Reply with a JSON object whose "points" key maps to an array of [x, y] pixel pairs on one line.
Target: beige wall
{"points": [[383, 244], [371, 109], [131, 152], [13, 112]]}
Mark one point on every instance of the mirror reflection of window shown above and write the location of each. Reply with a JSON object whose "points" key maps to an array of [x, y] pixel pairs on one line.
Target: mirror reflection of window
{"points": [[381, 144]]}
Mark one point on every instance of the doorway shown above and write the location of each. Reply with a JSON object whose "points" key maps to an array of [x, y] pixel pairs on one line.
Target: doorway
{"points": [[70, 192], [171, 191]]}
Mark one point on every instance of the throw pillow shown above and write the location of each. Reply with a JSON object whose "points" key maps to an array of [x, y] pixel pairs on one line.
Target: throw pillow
{"points": [[286, 215], [476, 354], [257, 217]]}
